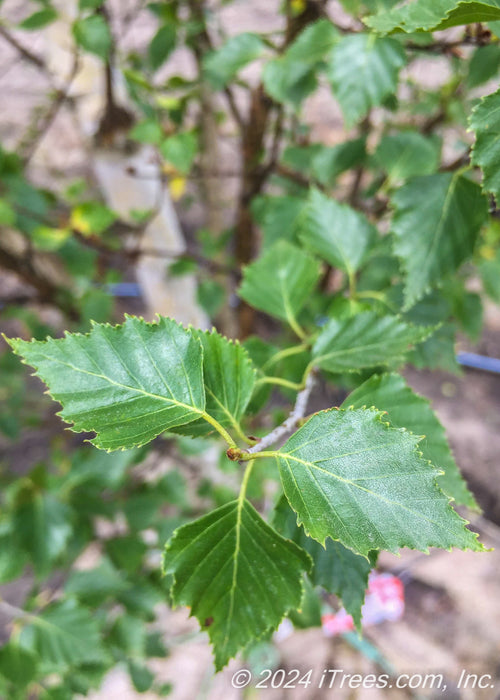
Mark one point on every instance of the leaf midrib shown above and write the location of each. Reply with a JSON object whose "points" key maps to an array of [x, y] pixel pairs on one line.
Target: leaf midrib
{"points": [[137, 390], [312, 465]]}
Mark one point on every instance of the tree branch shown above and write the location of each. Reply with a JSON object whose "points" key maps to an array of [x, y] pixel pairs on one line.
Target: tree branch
{"points": [[299, 411], [23, 51]]}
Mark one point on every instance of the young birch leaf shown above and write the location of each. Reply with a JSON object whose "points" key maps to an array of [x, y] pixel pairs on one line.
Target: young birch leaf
{"points": [[336, 232], [364, 340], [485, 122], [363, 71], [238, 576], [430, 15], [222, 65], [406, 409], [280, 281], [127, 383], [337, 569], [436, 244], [352, 477], [229, 377]]}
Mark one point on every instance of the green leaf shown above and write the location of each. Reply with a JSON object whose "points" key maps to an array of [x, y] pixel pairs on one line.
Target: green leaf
{"points": [[7, 213], [127, 552], [63, 634], [161, 45], [278, 217], [313, 43], [336, 232], [430, 15], [363, 71], [280, 281], [484, 65], [229, 377], [91, 218], [407, 154], [18, 665], [365, 340], [43, 527], [485, 123], [337, 569], [94, 586], [147, 131], [13, 558], [288, 82], [249, 579], [352, 477], [436, 244], [39, 19], [142, 677], [222, 65], [92, 34], [309, 614], [128, 383], [490, 276], [180, 150], [437, 351], [406, 409], [292, 77], [329, 163], [211, 296]]}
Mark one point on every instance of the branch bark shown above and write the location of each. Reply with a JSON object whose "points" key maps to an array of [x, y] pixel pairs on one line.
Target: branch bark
{"points": [[298, 412]]}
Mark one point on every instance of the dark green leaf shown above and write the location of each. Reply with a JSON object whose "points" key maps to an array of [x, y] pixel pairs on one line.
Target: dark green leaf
{"points": [[162, 45], [142, 677], [18, 665], [337, 569], [484, 65], [43, 527], [39, 19], [435, 245], [250, 578]]}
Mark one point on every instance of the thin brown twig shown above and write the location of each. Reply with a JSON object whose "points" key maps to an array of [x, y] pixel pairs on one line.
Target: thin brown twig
{"points": [[59, 98], [23, 51]]}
